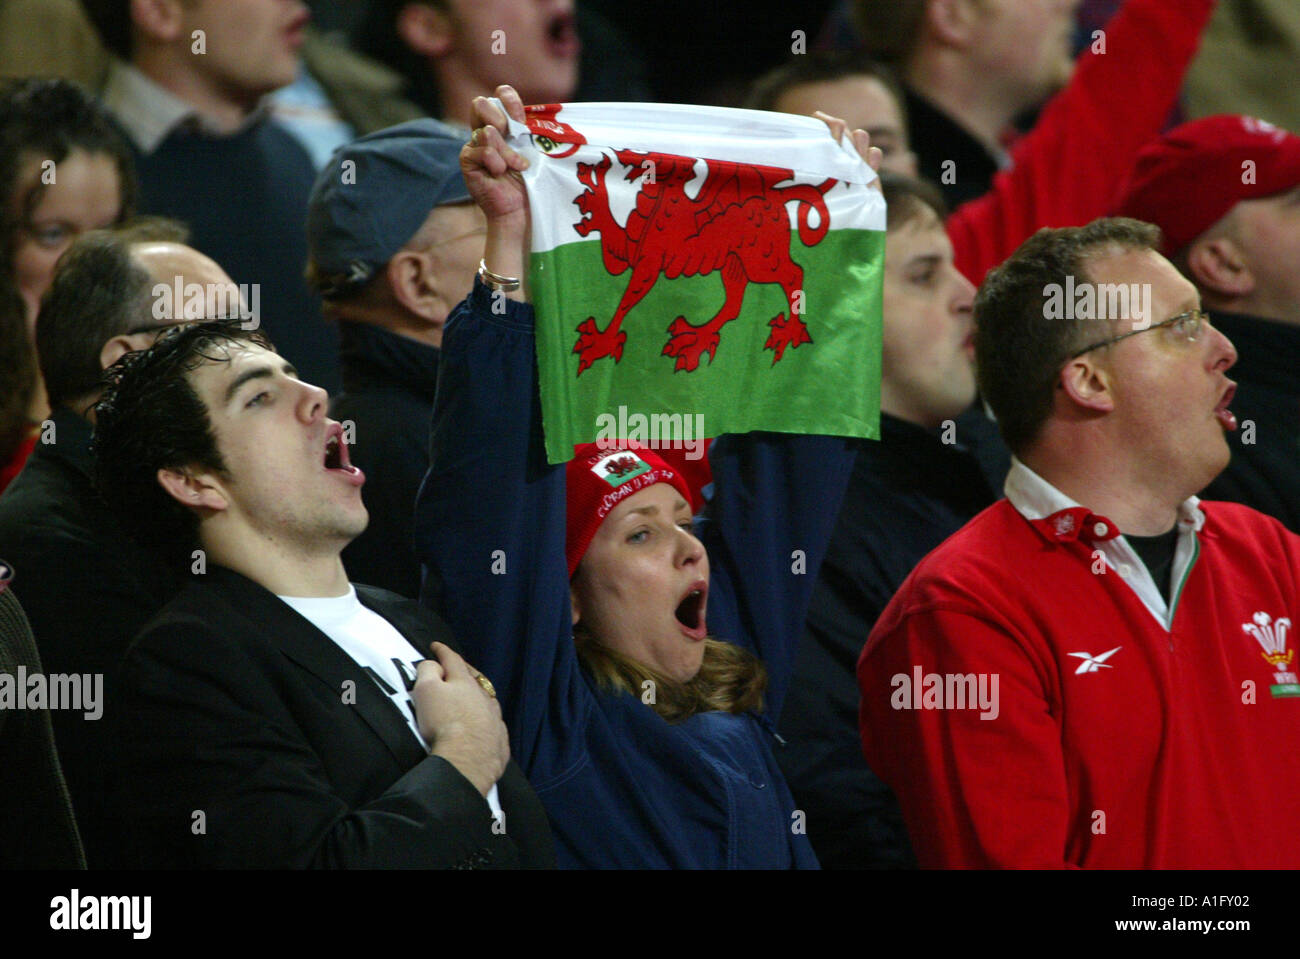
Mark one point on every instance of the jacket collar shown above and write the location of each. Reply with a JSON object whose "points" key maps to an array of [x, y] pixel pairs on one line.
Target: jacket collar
{"points": [[1059, 519], [373, 357], [299, 640], [149, 113], [1268, 352], [72, 441]]}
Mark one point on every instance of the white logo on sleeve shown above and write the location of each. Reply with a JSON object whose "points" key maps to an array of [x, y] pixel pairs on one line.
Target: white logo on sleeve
{"points": [[1093, 663]]}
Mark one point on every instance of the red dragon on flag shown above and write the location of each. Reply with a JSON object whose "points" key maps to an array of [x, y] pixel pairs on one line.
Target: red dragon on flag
{"points": [[736, 224]]}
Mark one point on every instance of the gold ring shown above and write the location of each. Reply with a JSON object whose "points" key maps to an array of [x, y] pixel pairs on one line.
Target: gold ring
{"points": [[486, 684], [474, 137]]}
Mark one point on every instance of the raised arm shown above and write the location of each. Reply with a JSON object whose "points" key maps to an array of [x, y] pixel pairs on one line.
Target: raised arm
{"points": [[1068, 168], [490, 518], [776, 499]]}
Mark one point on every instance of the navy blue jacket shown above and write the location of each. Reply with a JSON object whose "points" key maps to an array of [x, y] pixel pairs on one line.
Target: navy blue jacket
{"points": [[623, 787]]}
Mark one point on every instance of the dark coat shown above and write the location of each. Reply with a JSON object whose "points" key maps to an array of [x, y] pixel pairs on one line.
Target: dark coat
{"points": [[908, 493], [36, 826], [251, 740], [87, 590], [1264, 473], [624, 787], [388, 387]]}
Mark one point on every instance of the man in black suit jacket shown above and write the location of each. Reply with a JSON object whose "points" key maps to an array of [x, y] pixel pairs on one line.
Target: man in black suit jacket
{"points": [[273, 714]]}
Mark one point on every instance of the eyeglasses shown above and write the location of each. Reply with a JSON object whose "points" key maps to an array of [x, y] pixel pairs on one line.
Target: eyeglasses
{"points": [[1186, 326]]}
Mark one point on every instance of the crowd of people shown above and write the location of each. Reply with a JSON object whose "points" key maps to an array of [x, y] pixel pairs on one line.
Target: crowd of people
{"points": [[276, 510]]}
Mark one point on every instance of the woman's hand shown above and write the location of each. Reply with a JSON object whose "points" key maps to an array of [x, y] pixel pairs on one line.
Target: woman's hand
{"points": [[492, 173], [861, 142], [491, 168]]}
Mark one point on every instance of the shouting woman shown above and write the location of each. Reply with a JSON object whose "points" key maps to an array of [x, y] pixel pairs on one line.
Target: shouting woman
{"points": [[641, 659]]}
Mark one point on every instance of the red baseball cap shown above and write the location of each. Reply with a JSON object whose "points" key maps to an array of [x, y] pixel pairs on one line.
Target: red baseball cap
{"points": [[1188, 179]]}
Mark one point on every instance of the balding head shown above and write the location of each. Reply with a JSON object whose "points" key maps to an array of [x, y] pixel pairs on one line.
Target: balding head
{"points": [[104, 301]]}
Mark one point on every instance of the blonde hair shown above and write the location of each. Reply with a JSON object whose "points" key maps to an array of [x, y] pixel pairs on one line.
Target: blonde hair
{"points": [[731, 679]]}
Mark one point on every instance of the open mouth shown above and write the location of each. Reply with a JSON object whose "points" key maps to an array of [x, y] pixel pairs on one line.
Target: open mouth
{"points": [[336, 459], [562, 36], [690, 611], [1221, 412]]}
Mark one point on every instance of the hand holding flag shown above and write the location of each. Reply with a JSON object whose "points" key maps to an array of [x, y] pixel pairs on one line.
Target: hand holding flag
{"points": [[755, 206]]}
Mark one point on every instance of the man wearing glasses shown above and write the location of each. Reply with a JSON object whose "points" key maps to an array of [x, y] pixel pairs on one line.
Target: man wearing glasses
{"points": [[86, 587], [1096, 670]]}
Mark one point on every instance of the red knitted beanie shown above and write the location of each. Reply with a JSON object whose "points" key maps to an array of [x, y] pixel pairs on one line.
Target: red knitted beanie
{"points": [[599, 479]]}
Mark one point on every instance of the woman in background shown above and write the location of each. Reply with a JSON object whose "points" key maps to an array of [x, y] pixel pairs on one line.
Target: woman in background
{"points": [[64, 170]]}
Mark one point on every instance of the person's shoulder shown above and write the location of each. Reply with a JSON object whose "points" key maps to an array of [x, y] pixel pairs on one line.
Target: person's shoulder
{"points": [[1231, 524], [992, 537], [989, 555]]}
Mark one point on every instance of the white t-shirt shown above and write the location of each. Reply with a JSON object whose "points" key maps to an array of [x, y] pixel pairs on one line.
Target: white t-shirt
{"points": [[378, 648]]}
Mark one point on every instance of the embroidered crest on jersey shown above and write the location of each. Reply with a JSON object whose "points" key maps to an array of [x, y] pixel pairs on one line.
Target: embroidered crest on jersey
{"points": [[1271, 634]]}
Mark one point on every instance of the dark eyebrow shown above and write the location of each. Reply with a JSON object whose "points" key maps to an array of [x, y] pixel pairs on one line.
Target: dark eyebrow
{"points": [[257, 373], [928, 259]]}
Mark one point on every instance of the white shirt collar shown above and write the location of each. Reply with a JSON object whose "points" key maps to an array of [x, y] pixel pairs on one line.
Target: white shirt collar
{"points": [[150, 112], [1035, 498]]}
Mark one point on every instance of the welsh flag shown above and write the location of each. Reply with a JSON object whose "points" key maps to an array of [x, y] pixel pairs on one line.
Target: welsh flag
{"points": [[700, 268]]}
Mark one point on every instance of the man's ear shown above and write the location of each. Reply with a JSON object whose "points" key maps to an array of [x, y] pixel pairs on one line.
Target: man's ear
{"points": [[952, 22], [1217, 267], [194, 489], [411, 278], [425, 30], [159, 20], [1087, 385], [120, 345]]}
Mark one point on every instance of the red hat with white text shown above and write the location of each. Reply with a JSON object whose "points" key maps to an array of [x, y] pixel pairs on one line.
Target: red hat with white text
{"points": [[599, 478], [1187, 180]]}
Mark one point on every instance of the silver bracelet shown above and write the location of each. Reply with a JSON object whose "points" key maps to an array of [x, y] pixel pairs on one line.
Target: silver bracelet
{"points": [[494, 281]]}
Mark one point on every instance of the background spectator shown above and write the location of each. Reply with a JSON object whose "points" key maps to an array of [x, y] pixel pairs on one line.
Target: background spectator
{"points": [[209, 154], [451, 51], [63, 170], [86, 586], [908, 493], [1225, 191], [390, 273]]}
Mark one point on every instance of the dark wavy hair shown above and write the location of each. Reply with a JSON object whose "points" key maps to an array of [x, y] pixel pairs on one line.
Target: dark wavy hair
{"points": [[149, 418], [48, 118]]}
